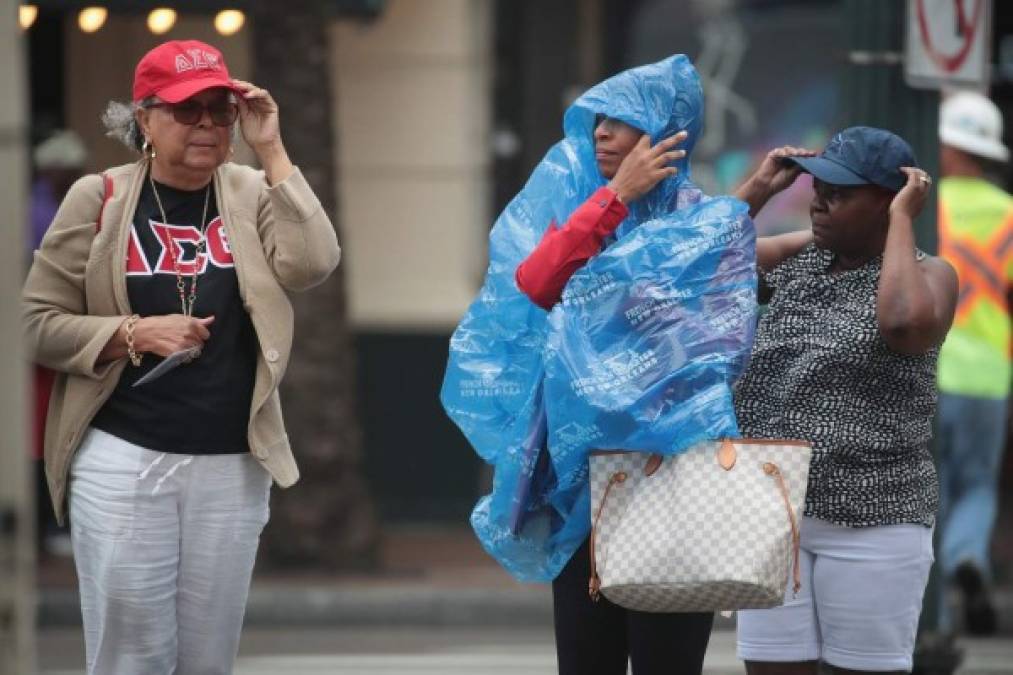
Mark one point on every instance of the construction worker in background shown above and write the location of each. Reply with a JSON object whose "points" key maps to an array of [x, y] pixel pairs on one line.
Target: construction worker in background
{"points": [[976, 237], [57, 162]]}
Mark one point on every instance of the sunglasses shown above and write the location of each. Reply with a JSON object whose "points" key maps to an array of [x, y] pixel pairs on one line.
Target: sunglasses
{"points": [[222, 113], [601, 118], [610, 123]]}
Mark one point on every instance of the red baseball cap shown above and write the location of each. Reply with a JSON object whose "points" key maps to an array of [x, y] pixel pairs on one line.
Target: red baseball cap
{"points": [[178, 69]]}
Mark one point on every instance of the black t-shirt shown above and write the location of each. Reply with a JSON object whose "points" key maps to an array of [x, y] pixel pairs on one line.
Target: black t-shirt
{"points": [[202, 407]]}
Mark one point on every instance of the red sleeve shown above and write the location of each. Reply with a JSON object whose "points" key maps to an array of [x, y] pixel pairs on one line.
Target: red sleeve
{"points": [[564, 250]]}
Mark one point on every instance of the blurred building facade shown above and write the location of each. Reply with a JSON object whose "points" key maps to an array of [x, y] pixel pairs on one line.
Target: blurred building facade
{"points": [[17, 517], [410, 83], [441, 109]]}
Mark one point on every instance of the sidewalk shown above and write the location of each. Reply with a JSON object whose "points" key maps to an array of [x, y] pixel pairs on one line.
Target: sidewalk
{"points": [[429, 577], [436, 576]]}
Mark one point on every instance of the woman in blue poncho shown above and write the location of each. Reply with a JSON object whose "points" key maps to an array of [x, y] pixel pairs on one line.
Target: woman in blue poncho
{"points": [[599, 637], [619, 176]]}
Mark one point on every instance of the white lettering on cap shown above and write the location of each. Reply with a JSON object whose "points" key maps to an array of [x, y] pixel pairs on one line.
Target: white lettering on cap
{"points": [[199, 60], [182, 64]]}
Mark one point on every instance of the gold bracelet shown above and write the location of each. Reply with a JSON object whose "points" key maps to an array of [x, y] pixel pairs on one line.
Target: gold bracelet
{"points": [[135, 358]]}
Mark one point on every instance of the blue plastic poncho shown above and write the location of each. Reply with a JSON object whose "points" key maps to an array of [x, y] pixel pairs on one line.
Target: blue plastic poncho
{"points": [[641, 352]]}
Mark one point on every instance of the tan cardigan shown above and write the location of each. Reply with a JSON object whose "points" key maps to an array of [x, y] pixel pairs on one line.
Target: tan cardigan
{"points": [[75, 298]]}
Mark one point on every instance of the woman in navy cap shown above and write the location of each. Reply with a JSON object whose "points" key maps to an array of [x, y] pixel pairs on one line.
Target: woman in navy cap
{"points": [[845, 357]]}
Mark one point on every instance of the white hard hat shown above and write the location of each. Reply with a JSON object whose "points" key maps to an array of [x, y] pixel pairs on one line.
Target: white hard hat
{"points": [[971, 122], [62, 150]]}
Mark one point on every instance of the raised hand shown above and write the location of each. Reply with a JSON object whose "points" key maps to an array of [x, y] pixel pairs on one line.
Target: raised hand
{"points": [[258, 116], [258, 120], [645, 166], [774, 174], [911, 199]]}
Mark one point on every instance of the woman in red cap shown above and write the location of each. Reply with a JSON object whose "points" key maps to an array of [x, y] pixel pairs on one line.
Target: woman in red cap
{"points": [[159, 297]]}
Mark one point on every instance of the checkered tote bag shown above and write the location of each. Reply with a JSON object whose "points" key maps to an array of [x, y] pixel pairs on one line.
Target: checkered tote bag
{"points": [[712, 529]]}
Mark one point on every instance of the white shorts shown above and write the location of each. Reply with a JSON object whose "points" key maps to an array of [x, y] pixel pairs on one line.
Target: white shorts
{"points": [[859, 604]]}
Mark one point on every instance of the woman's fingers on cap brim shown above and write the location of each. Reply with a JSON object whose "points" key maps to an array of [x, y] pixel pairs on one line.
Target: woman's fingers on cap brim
{"points": [[665, 144], [915, 172], [250, 90], [917, 177], [792, 151]]}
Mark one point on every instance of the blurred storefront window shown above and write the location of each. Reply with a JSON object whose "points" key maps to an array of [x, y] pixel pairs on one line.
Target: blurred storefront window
{"points": [[771, 75]]}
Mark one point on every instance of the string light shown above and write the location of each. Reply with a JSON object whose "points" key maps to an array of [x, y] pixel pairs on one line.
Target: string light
{"points": [[90, 19], [27, 15], [161, 20], [229, 21]]}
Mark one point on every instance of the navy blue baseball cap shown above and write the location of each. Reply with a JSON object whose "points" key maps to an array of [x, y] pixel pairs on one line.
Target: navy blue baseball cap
{"points": [[861, 156]]}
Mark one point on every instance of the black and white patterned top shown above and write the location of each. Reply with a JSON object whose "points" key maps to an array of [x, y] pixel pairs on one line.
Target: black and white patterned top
{"points": [[820, 371]]}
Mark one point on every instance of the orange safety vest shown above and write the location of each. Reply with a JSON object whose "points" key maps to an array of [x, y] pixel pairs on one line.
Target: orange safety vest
{"points": [[981, 266]]}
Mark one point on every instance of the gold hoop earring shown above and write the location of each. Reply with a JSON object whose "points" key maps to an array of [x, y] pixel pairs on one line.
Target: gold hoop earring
{"points": [[148, 149]]}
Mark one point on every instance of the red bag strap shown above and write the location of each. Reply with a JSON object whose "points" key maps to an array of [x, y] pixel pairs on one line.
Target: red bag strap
{"points": [[107, 193], [44, 376]]}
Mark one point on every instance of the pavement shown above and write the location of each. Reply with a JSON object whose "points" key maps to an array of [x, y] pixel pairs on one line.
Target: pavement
{"points": [[428, 576], [437, 604], [432, 651], [365, 651], [436, 576]]}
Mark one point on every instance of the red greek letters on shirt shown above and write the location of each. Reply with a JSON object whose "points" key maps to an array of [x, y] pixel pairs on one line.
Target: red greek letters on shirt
{"points": [[183, 239]]}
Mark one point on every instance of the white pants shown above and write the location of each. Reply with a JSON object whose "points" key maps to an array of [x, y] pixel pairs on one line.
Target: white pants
{"points": [[164, 546], [859, 603]]}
